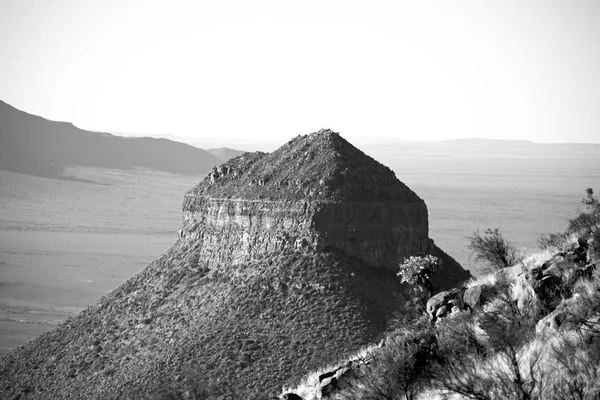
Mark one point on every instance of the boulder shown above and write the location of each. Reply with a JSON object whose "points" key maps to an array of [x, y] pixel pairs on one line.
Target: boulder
{"points": [[441, 312], [472, 296], [559, 266], [436, 302], [443, 303]]}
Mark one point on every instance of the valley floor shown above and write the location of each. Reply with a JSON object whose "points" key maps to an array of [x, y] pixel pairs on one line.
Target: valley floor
{"points": [[64, 244]]}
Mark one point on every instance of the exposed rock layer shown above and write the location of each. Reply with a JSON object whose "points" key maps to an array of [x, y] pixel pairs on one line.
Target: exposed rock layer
{"points": [[232, 231]]}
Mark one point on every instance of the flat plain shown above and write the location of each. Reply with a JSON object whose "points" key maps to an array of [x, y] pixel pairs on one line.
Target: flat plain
{"points": [[66, 242]]}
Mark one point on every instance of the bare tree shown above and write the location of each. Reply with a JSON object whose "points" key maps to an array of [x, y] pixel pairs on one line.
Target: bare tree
{"points": [[491, 247], [399, 372]]}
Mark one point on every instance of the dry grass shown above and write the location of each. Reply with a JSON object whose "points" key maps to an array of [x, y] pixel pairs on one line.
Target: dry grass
{"points": [[489, 279]]}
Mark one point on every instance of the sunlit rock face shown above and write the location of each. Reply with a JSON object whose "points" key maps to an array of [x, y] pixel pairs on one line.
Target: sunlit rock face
{"points": [[316, 192]]}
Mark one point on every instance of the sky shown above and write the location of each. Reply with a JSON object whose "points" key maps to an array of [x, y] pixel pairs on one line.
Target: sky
{"points": [[221, 71]]}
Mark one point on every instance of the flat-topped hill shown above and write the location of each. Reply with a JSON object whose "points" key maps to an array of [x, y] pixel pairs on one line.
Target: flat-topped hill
{"points": [[265, 283]]}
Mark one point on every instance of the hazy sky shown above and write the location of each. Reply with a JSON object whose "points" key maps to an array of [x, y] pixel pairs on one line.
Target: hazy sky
{"points": [[270, 70]]}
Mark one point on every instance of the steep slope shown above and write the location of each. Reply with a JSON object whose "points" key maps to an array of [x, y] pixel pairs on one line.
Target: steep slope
{"points": [[266, 282], [256, 328], [36, 146]]}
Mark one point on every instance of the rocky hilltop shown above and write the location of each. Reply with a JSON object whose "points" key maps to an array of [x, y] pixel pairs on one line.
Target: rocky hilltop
{"points": [[316, 192], [285, 262]]}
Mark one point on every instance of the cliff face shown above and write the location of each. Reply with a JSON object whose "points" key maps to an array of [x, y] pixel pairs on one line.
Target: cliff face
{"points": [[285, 262], [232, 231], [316, 192]]}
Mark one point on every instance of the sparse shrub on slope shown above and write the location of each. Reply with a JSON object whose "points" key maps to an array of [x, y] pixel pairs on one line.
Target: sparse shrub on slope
{"points": [[536, 336], [400, 370], [593, 253], [587, 221], [581, 313], [576, 369], [583, 227], [493, 353], [571, 338], [492, 248], [273, 319], [559, 241], [483, 355], [471, 355]]}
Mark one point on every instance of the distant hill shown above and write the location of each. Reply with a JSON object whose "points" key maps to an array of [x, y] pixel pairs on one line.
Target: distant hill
{"points": [[479, 147], [225, 153], [33, 145]]}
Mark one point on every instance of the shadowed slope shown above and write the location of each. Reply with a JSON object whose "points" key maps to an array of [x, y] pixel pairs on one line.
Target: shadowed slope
{"points": [[36, 146]]}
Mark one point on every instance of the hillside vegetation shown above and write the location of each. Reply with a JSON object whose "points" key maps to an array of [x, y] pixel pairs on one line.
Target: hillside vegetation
{"points": [[529, 330], [250, 329]]}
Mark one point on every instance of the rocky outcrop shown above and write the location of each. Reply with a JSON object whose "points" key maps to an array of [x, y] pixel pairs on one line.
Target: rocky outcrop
{"points": [[444, 303], [459, 299], [282, 261], [233, 231], [336, 378], [473, 296], [554, 280]]}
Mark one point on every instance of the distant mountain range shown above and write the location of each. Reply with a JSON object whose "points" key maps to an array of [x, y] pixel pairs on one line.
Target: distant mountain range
{"points": [[225, 153], [33, 145]]}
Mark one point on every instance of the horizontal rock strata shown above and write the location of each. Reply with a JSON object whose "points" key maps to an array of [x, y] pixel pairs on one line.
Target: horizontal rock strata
{"points": [[232, 231]]}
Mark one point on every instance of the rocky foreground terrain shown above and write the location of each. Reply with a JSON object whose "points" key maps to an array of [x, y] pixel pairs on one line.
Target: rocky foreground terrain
{"points": [[285, 262], [529, 330]]}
